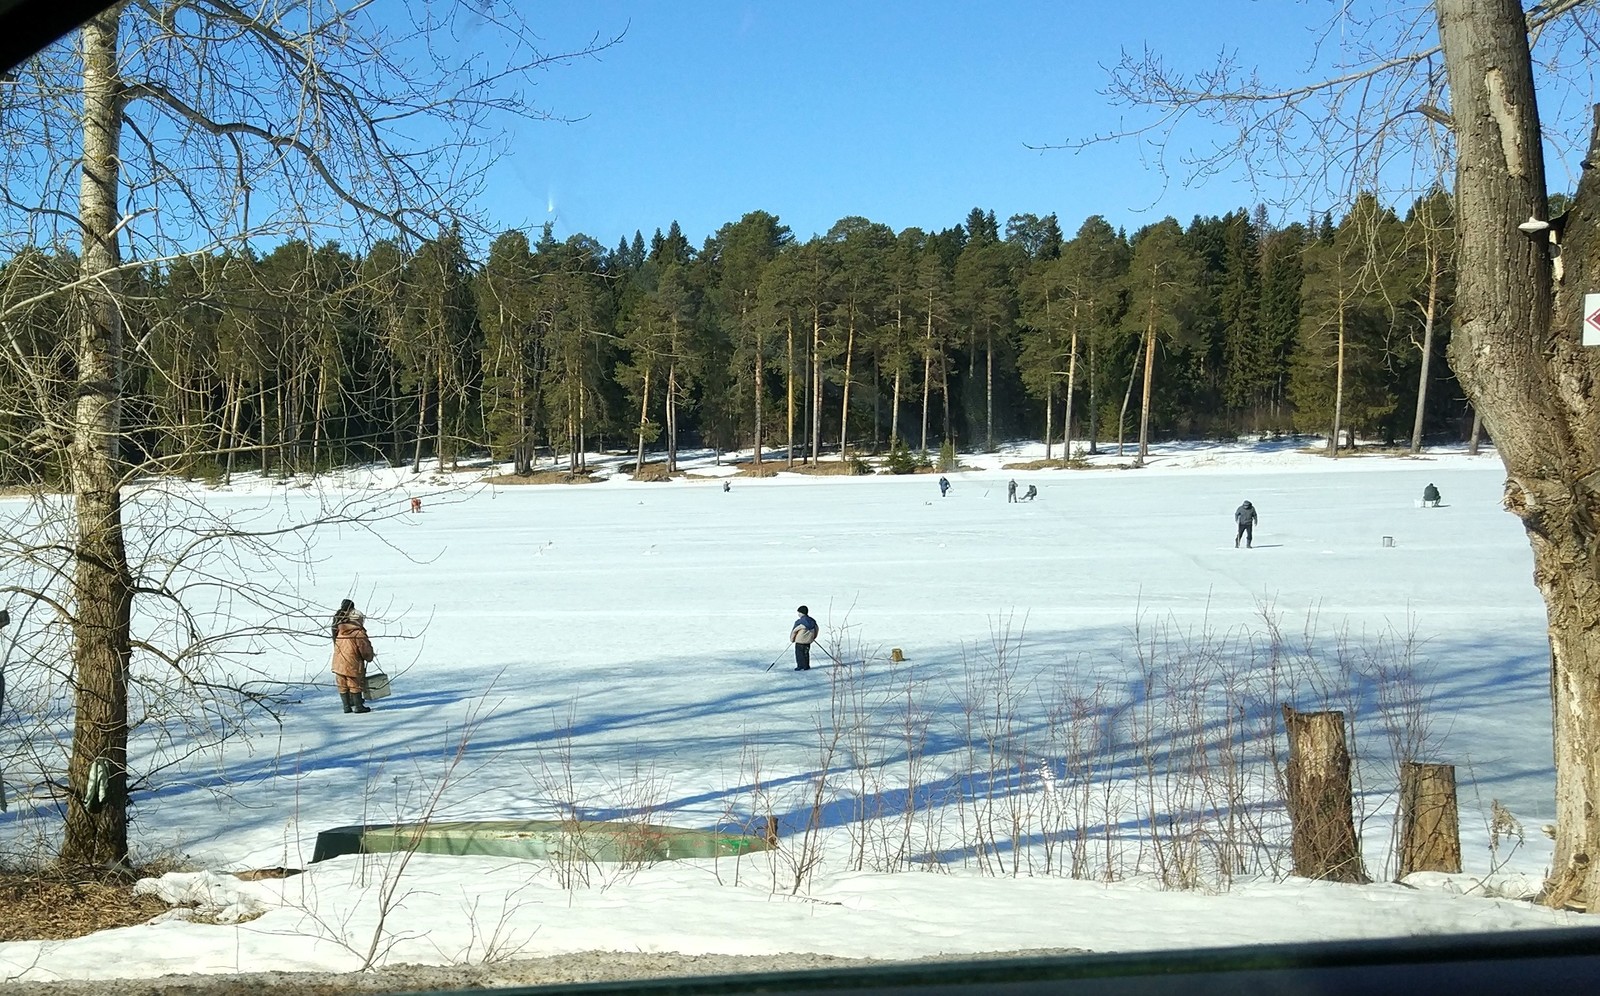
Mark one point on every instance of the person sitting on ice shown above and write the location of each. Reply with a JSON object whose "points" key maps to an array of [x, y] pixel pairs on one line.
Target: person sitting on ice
{"points": [[1030, 494], [1430, 496]]}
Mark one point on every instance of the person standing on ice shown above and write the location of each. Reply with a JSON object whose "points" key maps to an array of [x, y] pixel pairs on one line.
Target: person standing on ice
{"points": [[1245, 517], [1011, 490], [352, 650], [1430, 496], [802, 634], [944, 486]]}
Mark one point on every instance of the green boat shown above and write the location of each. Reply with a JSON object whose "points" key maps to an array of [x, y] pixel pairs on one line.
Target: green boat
{"points": [[556, 840]]}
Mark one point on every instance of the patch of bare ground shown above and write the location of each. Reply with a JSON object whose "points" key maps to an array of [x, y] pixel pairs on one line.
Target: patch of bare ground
{"points": [[37, 906], [652, 472], [542, 477], [833, 468], [1047, 465]]}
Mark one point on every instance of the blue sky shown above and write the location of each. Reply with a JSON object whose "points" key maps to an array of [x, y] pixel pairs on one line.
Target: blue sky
{"points": [[905, 113]]}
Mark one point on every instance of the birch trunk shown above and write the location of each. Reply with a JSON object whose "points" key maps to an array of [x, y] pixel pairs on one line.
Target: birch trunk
{"points": [[96, 831]]}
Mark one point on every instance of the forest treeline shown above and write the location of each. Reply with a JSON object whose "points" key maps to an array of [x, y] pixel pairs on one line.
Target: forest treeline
{"points": [[311, 356]]}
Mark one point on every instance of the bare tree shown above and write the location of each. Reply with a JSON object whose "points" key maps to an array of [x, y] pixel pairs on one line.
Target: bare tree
{"points": [[192, 126], [1470, 66]]}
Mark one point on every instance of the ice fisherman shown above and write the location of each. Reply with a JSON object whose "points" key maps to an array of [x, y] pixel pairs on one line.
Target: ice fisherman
{"points": [[1030, 494], [1011, 490], [1430, 496], [802, 634], [1245, 517], [944, 486], [352, 651]]}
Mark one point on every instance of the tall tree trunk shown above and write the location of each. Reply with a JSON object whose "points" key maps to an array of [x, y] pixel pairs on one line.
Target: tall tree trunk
{"points": [[422, 426], [644, 420], [1072, 377], [894, 410], [96, 829], [1524, 367], [1428, 312], [816, 387], [844, 406], [927, 374], [1144, 404], [755, 389], [1338, 387], [1127, 396], [672, 413], [439, 412], [1094, 401], [1049, 417], [789, 446], [988, 391]]}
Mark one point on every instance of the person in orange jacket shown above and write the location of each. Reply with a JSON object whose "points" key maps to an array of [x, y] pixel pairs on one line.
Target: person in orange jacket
{"points": [[352, 651]]}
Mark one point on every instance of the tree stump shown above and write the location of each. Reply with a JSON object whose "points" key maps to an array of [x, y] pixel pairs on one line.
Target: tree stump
{"points": [[1317, 793], [1430, 827]]}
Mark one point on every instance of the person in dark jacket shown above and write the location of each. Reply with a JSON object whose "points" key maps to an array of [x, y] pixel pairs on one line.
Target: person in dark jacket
{"points": [[352, 651], [1011, 490], [1430, 496], [1031, 493], [944, 486], [1245, 517], [802, 634]]}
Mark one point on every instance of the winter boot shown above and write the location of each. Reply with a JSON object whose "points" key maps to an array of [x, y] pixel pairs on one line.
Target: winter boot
{"points": [[355, 700], [345, 698]]}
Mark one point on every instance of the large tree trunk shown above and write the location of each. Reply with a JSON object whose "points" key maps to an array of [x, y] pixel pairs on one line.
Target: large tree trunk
{"points": [[1532, 380], [96, 829]]}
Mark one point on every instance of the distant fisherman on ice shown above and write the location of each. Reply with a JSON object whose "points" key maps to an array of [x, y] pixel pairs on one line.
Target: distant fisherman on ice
{"points": [[1245, 516], [801, 634]]}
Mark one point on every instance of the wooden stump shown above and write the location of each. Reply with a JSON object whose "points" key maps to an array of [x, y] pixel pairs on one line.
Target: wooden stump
{"points": [[1317, 793], [1430, 828]]}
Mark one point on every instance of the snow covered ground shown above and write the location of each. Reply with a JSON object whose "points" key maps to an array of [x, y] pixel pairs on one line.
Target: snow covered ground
{"points": [[603, 650]]}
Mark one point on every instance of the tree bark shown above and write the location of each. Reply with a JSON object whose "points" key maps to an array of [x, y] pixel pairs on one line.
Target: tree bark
{"points": [[1317, 793], [1522, 364], [1430, 826], [96, 828]]}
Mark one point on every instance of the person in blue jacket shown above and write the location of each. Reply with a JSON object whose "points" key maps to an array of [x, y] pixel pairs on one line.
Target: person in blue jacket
{"points": [[802, 634], [944, 486]]}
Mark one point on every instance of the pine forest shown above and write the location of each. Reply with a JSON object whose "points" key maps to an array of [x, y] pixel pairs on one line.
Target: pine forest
{"points": [[860, 341]]}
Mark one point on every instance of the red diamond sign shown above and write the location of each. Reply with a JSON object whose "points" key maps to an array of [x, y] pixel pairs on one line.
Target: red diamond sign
{"points": [[1591, 319]]}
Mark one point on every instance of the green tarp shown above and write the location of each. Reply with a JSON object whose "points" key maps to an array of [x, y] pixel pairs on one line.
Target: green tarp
{"points": [[567, 840]]}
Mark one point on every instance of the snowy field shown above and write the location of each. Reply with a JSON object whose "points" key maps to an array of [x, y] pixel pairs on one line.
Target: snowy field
{"points": [[603, 651]]}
